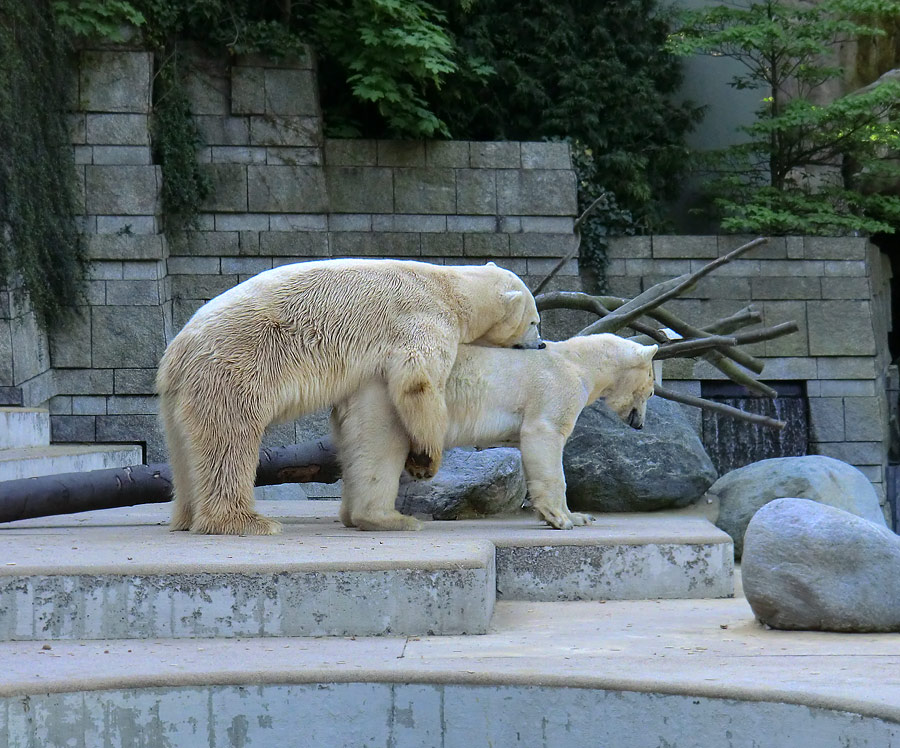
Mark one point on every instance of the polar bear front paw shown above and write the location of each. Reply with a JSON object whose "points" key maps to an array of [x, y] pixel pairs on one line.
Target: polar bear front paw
{"points": [[580, 519], [241, 524], [392, 520], [558, 518], [420, 466]]}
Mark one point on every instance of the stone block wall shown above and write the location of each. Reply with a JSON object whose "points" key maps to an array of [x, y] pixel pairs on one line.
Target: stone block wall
{"points": [[282, 193], [835, 288]]}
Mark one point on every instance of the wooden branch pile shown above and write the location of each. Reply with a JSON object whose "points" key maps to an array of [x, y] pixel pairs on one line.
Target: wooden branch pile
{"points": [[717, 343]]}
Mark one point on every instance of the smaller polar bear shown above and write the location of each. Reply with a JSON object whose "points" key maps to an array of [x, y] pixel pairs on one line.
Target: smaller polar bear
{"points": [[304, 336], [529, 398]]}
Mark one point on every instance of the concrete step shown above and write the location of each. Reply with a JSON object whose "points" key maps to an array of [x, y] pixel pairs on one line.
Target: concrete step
{"points": [[31, 462], [122, 574], [629, 674], [24, 427]]}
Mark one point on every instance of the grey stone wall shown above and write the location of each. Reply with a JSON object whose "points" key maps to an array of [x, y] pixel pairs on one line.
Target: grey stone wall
{"points": [[835, 288], [282, 193]]}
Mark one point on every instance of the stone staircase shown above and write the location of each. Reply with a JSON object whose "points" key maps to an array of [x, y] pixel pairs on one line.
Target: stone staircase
{"points": [[26, 452], [115, 631]]}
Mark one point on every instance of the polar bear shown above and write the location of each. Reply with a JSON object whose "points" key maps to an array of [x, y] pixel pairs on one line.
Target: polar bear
{"points": [[531, 398], [301, 337]]}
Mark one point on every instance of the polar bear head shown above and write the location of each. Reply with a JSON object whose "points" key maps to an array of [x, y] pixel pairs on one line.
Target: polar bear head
{"points": [[622, 373], [517, 324]]}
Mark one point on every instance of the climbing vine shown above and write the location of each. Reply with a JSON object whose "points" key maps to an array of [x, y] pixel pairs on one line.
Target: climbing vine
{"points": [[39, 242]]}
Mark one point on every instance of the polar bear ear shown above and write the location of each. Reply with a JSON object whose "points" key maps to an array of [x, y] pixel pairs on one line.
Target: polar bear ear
{"points": [[511, 296], [649, 352], [490, 265]]}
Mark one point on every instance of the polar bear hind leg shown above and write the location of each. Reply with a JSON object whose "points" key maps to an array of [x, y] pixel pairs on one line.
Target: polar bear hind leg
{"points": [[179, 459], [373, 447], [542, 450]]}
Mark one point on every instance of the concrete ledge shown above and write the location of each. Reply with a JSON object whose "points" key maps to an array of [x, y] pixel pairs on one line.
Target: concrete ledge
{"points": [[24, 427], [30, 462]]}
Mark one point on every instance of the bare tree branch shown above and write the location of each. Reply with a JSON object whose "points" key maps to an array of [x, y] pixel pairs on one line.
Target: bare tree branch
{"points": [[699, 402]]}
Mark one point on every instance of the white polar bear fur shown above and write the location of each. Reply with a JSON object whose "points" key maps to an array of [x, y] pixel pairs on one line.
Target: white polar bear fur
{"points": [[531, 398], [301, 337]]}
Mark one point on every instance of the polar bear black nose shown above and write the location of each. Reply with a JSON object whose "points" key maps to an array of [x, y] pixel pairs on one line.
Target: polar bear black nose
{"points": [[542, 346]]}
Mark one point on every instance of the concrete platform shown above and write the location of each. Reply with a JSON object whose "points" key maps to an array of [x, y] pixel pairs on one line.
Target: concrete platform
{"points": [[31, 462], [623, 674], [122, 574], [24, 427]]}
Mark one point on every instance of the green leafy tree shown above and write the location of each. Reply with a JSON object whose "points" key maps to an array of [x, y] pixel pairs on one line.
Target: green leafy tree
{"points": [[804, 165]]}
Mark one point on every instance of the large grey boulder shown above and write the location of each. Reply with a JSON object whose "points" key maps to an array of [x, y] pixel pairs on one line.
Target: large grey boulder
{"points": [[742, 492], [469, 483], [811, 566], [611, 467]]}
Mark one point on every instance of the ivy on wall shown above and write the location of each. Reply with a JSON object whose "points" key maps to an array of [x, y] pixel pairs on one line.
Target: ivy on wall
{"points": [[39, 242]]}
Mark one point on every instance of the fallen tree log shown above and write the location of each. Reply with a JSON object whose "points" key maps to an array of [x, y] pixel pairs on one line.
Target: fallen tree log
{"points": [[69, 493]]}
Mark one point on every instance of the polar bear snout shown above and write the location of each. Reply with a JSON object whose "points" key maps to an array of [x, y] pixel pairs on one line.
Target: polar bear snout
{"points": [[635, 420]]}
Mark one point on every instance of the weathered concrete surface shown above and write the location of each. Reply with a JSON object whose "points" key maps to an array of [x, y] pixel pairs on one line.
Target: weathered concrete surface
{"points": [[121, 573], [29, 462], [688, 673], [812, 566], [24, 427]]}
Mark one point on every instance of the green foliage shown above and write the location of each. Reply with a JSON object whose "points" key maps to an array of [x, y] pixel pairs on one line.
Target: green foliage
{"points": [[38, 236], [593, 71], [175, 140], [803, 165], [104, 19]]}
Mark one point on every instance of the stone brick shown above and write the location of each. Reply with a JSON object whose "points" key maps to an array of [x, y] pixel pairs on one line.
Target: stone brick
{"points": [[6, 356], [840, 328], [77, 128], [862, 367], [127, 336], [476, 191], [486, 245], [425, 190], [117, 129], [286, 189], [294, 244], [856, 453], [472, 224], [298, 222], [846, 388], [208, 87], [83, 154], [285, 130], [350, 222], [300, 60], [441, 245], [85, 381], [61, 405], [134, 381], [183, 310], [403, 222], [667, 268], [537, 192], [834, 248], [208, 245], [774, 249], [194, 265], [447, 153], [291, 92], [541, 245], [368, 244], [229, 188], [350, 152], [122, 190], [624, 285], [223, 130], [789, 368], [245, 265], [293, 156], [499, 155], [248, 242], [865, 419], [795, 344], [845, 269], [72, 429], [713, 287], [38, 389], [248, 92], [688, 247], [105, 270], [787, 287], [95, 292], [115, 81], [360, 189], [238, 154], [131, 225], [154, 270], [540, 267], [132, 404], [546, 156], [138, 429], [401, 153], [826, 419], [544, 225], [629, 247], [89, 405], [845, 288], [70, 343], [794, 245], [132, 292], [242, 222], [30, 348]]}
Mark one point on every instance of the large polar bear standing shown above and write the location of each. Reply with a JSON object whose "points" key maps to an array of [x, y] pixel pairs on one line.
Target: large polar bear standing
{"points": [[527, 398], [302, 337]]}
